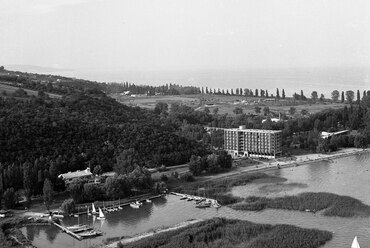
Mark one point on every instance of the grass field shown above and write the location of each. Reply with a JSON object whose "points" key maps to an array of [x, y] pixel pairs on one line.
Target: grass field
{"points": [[226, 104], [11, 89]]}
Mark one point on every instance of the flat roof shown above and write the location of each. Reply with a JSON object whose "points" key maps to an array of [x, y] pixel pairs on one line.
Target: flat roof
{"points": [[253, 130], [76, 174]]}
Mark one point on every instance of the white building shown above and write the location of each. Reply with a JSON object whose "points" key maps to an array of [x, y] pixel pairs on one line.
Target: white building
{"points": [[253, 142]]}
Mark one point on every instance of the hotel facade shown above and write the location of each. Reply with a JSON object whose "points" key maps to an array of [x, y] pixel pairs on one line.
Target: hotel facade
{"points": [[252, 142]]}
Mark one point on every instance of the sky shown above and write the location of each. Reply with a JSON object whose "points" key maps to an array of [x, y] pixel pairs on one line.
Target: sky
{"points": [[186, 34]]}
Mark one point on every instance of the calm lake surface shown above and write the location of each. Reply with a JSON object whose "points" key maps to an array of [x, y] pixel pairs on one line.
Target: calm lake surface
{"points": [[345, 176]]}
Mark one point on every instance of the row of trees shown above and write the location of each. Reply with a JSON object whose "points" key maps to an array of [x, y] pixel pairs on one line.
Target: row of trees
{"points": [[244, 92]]}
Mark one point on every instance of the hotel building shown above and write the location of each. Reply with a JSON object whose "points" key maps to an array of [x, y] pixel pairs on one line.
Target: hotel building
{"points": [[252, 142]]}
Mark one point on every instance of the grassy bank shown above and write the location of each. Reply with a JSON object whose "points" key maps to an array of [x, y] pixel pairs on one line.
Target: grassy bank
{"points": [[331, 204], [219, 189], [220, 232]]}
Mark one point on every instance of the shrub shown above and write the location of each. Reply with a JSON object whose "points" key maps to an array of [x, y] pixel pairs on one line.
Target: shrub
{"points": [[68, 206], [188, 177], [10, 198]]}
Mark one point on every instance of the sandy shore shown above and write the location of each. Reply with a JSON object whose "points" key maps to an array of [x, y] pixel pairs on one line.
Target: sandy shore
{"points": [[309, 158], [149, 234]]}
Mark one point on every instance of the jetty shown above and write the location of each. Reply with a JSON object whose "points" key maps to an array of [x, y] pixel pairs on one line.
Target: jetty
{"points": [[82, 208], [64, 229], [214, 203]]}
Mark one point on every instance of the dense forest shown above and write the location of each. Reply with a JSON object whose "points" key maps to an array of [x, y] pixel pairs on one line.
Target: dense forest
{"points": [[50, 136]]}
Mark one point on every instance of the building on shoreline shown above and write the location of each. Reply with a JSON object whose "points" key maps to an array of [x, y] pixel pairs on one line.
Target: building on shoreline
{"points": [[253, 142]]}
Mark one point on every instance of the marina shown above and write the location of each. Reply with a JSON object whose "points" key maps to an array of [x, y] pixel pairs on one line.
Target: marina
{"points": [[170, 210]]}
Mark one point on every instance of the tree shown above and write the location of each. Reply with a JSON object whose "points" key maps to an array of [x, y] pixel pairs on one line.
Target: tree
{"points": [[195, 165], [48, 193], [10, 198], [161, 107], [225, 160], [160, 187], [283, 94], [303, 97], [27, 182], [97, 170], [277, 93], [76, 190], [92, 192], [238, 110], [215, 111], [350, 96], [256, 92], [342, 97], [335, 95], [212, 162], [292, 110], [257, 109], [322, 98], [314, 96], [358, 97], [304, 111], [68, 206], [360, 141], [266, 110]]}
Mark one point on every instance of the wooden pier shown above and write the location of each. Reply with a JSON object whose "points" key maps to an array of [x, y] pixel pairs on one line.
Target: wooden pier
{"points": [[64, 229]]}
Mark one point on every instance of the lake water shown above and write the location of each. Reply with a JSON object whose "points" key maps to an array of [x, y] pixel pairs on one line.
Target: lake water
{"points": [[345, 176], [322, 80]]}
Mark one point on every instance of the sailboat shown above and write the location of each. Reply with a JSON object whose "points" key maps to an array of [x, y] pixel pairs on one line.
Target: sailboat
{"points": [[355, 243], [119, 204], [93, 209], [88, 211], [101, 215]]}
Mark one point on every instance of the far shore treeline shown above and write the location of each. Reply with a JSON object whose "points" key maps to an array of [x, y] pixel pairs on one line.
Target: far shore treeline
{"points": [[42, 137]]}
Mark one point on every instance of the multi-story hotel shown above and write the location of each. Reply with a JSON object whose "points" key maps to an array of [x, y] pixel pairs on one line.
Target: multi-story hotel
{"points": [[252, 142]]}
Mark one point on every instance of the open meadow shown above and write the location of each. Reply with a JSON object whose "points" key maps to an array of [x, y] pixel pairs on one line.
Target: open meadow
{"points": [[227, 104]]}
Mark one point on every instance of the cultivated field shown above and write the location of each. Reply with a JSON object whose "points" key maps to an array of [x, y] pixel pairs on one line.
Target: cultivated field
{"points": [[227, 104]]}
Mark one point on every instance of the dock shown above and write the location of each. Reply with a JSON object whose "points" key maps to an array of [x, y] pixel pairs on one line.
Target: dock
{"points": [[114, 204], [64, 229]]}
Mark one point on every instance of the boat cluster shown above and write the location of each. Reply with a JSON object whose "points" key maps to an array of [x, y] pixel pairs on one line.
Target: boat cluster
{"points": [[201, 202], [84, 231]]}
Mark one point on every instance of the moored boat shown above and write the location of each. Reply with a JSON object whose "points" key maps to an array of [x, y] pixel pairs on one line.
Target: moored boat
{"points": [[101, 215], [134, 205], [93, 211], [148, 200], [184, 197], [89, 234], [355, 243], [203, 204]]}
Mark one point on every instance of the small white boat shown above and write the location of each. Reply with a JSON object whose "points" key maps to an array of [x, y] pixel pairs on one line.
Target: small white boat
{"points": [[203, 204], [93, 211], [120, 208], [101, 215], [184, 197], [138, 203], [91, 233], [88, 211], [134, 205], [148, 200], [355, 243]]}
